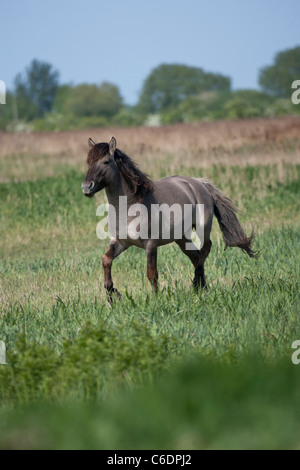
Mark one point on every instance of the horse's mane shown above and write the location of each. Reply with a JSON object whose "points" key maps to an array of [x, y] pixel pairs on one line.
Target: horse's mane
{"points": [[138, 182]]}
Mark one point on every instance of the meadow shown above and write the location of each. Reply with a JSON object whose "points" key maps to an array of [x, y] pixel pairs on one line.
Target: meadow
{"points": [[180, 370]]}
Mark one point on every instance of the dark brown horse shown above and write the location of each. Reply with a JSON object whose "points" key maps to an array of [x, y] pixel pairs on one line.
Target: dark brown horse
{"points": [[113, 170]]}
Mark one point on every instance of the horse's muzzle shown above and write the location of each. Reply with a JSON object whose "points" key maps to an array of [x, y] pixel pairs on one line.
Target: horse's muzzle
{"points": [[88, 189]]}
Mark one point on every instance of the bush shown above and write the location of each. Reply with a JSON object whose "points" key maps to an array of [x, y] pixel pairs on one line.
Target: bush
{"points": [[98, 359]]}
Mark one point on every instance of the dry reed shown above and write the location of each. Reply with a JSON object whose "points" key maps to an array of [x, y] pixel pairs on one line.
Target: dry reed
{"points": [[243, 142]]}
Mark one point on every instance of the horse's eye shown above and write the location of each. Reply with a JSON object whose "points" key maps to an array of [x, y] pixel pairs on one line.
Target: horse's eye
{"points": [[106, 162]]}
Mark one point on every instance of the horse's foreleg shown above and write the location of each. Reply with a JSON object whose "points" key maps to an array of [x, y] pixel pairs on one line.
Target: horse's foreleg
{"points": [[116, 247], [152, 273]]}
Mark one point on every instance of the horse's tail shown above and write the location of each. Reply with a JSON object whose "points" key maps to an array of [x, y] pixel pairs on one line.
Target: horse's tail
{"points": [[225, 211]]}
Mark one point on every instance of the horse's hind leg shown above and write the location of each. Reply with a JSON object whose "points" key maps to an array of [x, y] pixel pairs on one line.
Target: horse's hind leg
{"points": [[197, 257], [116, 247], [199, 279]]}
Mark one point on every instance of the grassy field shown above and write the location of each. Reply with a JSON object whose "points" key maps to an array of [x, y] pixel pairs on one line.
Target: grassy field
{"points": [[178, 370]]}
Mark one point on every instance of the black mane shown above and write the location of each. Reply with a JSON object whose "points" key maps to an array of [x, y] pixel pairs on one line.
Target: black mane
{"points": [[139, 183]]}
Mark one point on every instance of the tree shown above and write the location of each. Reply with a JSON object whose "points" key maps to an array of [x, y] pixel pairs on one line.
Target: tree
{"points": [[276, 80], [35, 89], [61, 96], [93, 100], [168, 85], [247, 103]]}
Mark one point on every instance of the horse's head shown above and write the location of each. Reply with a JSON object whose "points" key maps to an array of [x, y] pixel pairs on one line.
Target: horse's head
{"points": [[101, 167]]}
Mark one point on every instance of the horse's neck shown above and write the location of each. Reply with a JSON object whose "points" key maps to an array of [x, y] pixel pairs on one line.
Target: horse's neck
{"points": [[116, 190]]}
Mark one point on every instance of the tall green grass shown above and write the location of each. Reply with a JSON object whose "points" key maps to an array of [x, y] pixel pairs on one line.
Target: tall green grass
{"points": [[65, 343], [201, 404]]}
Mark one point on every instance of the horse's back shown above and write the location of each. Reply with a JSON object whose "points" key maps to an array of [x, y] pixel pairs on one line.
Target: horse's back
{"points": [[182, 190]]}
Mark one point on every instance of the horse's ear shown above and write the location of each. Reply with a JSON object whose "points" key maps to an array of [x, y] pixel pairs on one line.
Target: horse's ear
{"points": [[91, 142], [112, 145]]}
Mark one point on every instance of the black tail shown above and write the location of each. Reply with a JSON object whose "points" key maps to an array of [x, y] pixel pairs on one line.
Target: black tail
{"points": [[225, 211]]}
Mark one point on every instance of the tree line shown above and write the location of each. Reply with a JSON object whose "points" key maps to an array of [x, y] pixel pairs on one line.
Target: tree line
{"points": [[171, 93]]}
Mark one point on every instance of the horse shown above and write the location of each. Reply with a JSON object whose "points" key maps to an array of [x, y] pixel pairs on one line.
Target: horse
{"points": [[111, 169]]}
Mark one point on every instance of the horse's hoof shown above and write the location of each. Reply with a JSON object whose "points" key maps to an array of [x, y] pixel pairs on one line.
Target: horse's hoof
{"points": [[114, 294]]}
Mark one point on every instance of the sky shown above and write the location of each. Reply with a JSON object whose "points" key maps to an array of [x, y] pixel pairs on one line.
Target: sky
{"points": [[90, 41]]}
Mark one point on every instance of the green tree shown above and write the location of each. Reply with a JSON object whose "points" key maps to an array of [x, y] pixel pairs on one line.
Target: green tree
{"points": [[35, 90], [92, 100], [168, 85], [276, 80], [208, 105], [247, 104], [61, 96]]}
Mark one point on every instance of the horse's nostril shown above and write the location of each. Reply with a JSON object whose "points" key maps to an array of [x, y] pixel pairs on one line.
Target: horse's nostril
{"points": [[87, 188]]}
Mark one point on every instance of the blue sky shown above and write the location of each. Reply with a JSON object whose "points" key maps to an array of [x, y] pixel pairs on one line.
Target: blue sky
{"points": [[122, 41]]}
